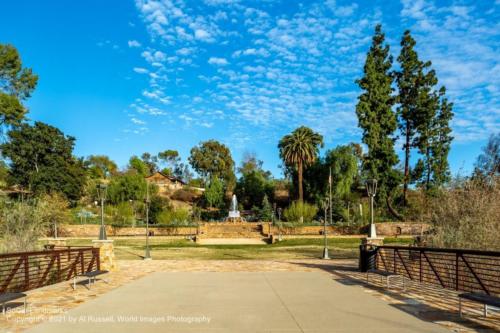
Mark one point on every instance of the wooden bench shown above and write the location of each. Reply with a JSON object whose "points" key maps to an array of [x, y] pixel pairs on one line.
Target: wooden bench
{"points": [[91, 276], [486, 300], [387, 275], [9, 297]]}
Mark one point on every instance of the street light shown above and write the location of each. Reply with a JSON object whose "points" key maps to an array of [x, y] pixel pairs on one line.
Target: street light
{"points": [[279, 223], [147, 255], [371, 189], [326, 204], [102, 190]]}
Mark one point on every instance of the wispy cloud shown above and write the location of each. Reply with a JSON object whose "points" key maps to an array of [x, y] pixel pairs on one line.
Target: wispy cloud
{"points": [[133, 43], [273, 69]]}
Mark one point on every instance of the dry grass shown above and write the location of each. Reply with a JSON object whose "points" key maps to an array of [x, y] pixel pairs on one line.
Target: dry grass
{"points": [[467, 216]]}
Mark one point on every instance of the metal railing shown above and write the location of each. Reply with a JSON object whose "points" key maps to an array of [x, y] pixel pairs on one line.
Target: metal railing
{"points": [[29, 270], [461, 270]]}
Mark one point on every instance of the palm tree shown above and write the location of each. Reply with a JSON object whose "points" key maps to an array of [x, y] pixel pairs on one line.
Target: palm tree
{"points": [[300, 148]]}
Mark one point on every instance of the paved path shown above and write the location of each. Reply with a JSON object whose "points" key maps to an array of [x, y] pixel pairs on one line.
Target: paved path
{"points": [[238, 302]]}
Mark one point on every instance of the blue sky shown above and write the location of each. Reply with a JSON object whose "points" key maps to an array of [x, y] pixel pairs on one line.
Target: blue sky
{"points": [[126, 77]]}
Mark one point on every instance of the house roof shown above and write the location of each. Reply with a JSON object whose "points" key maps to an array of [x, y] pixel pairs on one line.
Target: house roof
{"points": [[171, 178]]}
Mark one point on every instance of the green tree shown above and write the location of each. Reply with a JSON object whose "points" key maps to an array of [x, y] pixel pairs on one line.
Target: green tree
{"points": [[41, 159], [424, 116], [129, 186], [138, 166], [413, 81], [252, 187], [100, 166], [254, 184], [488, 162], [434, 140], [300, 149], [344, 165], [151, 162], [214, 193], [4, 172], [170, 158], [16, 85], [376, 117], [212, 159], [266, 212], [441, 142]]}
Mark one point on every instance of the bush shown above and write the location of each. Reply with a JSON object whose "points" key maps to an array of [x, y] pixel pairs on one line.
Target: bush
{"points": [[21, 224], [123, 215], [466, 216], [300, 212], [186, 195], [174, 217]]}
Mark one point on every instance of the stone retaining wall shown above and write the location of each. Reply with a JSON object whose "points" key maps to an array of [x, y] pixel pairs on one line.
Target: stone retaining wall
{"points": [[383, 229], [92, 230]]}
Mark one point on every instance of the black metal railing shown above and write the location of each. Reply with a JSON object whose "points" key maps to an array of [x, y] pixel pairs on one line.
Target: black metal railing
{"points": [[29, 270], [461, 270]]}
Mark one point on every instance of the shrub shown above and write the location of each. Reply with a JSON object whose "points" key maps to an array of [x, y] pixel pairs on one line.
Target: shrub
{"points": [[174, 217], [466, 216], [124, 214], [21, 224], [186, 195], [300, 212]]}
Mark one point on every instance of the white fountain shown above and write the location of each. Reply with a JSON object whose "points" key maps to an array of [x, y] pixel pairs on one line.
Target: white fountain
{"points": [[234, 213]]}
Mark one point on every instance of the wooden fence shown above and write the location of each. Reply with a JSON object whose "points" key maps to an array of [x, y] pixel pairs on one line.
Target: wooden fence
{"points": [[461, 270], [29, 270]]}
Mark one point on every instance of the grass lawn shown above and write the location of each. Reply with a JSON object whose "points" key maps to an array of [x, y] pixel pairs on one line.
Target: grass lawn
{"points": [[297, 248]]}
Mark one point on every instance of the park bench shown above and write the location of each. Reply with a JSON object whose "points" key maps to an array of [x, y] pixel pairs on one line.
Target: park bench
{"points": [[486, 300], [387, 275], [9, 297], [91, 276]]}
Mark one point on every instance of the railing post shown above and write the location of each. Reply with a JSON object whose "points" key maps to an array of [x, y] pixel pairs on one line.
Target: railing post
{"points": [[394, 259], [58, 267], [97, 254], [26, 272], [82, 264], [420, 264]]}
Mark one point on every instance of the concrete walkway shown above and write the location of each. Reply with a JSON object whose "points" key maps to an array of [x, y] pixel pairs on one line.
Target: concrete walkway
{"points": [[237, 302]]}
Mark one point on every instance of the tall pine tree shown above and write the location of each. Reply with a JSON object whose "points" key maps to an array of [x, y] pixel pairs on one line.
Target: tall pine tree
{"points": [[410, 81], [424, 115], [376, 116], [441, 141]]}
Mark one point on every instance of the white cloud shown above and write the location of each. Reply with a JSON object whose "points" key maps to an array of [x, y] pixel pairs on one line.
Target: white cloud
{"points": [[203, 35], [140, 70], [138, 121], [133, 43], [218, 61]]}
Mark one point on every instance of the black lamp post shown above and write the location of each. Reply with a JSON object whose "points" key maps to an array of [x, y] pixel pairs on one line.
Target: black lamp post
{"points": [[147, 254], [371, 189], [279, 223], [102, 190], [326, 205]]}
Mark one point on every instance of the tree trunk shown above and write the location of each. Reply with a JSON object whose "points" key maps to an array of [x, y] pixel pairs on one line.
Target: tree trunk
{"points": [[428, 179], [391, 209], [406, 179], [301, 190]]}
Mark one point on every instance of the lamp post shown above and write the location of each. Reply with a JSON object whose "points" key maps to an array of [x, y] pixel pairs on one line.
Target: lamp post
{"points": [[279, 223], [326, 205], [147, 255], [371, 189], [102, 190]]}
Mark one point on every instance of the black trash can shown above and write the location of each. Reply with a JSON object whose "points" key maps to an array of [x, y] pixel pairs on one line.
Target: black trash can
{"points": [[367, 257]]}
